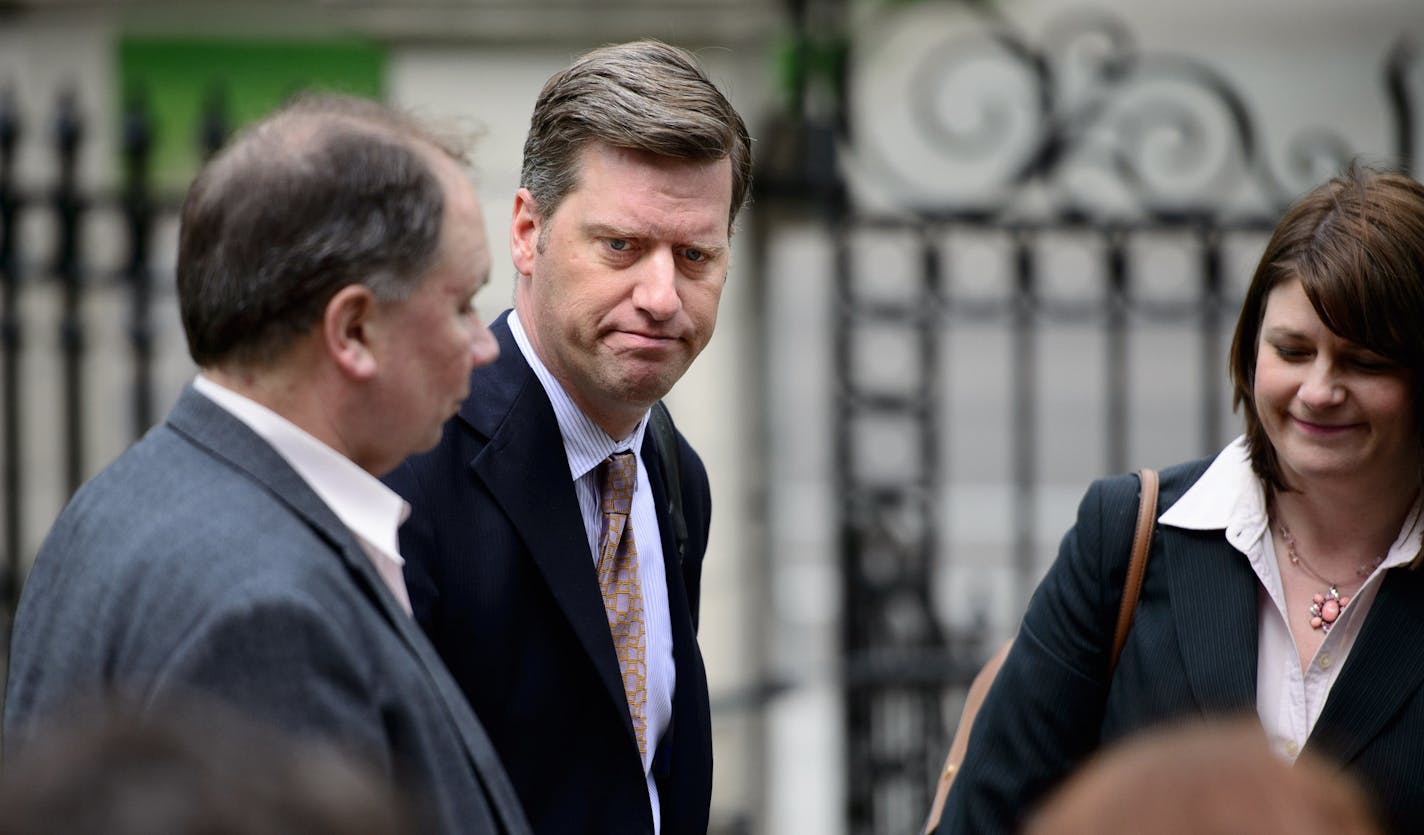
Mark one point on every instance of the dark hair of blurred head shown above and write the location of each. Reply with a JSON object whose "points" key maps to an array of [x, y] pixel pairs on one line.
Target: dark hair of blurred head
{"points": [[187, 770], [1216, 777]]}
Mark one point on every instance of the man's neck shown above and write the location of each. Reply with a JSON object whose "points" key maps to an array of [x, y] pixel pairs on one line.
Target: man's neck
{"points": [[296, 397]]}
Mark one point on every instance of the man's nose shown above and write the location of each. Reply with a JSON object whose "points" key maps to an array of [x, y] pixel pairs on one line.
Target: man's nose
{"points": [[656, 288]]}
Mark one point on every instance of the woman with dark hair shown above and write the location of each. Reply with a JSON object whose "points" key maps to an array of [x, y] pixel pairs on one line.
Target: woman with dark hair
{"points": [[1280, 582]]}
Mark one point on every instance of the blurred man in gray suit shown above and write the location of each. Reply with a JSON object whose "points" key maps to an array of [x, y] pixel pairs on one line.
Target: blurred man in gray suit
{"points": [[244, 550]]}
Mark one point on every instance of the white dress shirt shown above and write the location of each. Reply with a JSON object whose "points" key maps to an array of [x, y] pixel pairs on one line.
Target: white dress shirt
{"points": [[1229, 497], [371, 510], [586, 446]]}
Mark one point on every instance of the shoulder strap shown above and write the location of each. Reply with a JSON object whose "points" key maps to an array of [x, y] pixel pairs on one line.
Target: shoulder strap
{"points": [[665, 441], [978, 689], [1137, 567], [1132, 587]]}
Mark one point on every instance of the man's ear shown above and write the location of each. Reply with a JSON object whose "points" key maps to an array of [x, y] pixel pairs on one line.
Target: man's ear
{"points": [[524, 229], [347, 332]]}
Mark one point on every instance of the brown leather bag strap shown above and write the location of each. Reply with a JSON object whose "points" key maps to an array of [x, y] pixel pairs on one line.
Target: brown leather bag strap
{"points": [[1131, 588], [978, 689], [1137, 566]]}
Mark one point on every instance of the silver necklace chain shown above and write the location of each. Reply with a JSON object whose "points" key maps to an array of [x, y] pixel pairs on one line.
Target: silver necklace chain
{"points": [[1325, 607], [1361, 571]]}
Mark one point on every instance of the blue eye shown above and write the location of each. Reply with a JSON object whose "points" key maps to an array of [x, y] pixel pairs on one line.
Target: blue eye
{"points": [[617, 244], [694, 255]]}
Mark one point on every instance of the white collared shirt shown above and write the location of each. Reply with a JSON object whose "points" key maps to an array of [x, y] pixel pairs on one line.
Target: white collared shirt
{"points": [[586, 446], [1229, 497], [371, 510]]}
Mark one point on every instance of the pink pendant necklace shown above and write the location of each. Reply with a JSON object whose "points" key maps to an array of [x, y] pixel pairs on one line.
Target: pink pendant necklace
{"points": [[1325, 608]]}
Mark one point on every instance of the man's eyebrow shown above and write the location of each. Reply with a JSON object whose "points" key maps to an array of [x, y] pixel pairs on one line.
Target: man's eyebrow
{"points": [[609, 230]]}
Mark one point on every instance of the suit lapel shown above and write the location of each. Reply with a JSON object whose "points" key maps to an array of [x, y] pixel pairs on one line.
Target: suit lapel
{"points": [[1377, 678], [1219, 651], [1218, 640], [224, 436], [528, 476], [1214, 605], [210, 426]]}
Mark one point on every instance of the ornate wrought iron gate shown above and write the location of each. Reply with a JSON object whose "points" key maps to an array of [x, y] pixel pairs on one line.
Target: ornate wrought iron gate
{"points": [[892, 408]]}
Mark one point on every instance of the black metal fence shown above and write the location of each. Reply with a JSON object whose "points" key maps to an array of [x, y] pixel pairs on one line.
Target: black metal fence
{"points": [[900, 654], [901, 430], [47, 236]]}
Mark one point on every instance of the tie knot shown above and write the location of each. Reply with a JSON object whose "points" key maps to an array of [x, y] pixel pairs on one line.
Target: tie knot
{"points": [[617, 475]]}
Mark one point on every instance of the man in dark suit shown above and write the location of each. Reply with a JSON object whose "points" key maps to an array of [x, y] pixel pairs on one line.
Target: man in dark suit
{"points": [[544, 555], [244, 551]]}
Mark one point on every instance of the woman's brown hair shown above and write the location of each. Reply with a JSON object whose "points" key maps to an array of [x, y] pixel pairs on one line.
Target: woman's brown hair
{"points": [[1356, 244]]}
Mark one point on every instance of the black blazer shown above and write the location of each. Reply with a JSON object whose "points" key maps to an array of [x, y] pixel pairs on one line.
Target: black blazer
{"points": [[199, 561], [1191, 653], [500, 575]]}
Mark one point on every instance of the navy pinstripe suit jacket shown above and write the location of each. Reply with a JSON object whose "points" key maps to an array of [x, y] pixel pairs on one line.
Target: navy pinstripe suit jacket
{"points": [[500, 576], [1191, 653]]}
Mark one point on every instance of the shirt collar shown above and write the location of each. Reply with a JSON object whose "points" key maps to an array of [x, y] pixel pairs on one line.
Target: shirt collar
{"points": [[1230, 497], [585, 444], [370, 509], [1406, 546]]}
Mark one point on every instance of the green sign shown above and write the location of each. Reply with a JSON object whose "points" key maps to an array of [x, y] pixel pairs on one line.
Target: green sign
{"points": [[180, 79]]}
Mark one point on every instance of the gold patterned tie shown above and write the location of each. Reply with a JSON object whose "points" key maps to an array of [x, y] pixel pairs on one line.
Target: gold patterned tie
{"points": [[622, 593]]}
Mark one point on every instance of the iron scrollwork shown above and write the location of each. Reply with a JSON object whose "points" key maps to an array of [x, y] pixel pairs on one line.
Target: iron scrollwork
{"points": [[1082, 122]]}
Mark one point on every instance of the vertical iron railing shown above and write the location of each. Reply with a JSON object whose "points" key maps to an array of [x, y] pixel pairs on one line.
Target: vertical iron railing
{"points": [[137, 142], [892, 640], [1116, 409], [1213, 313], [68, 206], [10, 341], [72, 268], [1024, 405]]}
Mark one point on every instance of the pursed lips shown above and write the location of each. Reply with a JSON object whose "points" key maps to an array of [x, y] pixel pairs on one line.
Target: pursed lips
{"points": [[643, 339]]}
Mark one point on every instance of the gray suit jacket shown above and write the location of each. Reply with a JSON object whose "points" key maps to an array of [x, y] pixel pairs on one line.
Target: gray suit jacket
{"points": [[200, 562]]}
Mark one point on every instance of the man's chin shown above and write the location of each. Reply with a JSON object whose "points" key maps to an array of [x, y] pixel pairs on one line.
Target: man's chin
{"points": [[645, 392], [648, 382]]}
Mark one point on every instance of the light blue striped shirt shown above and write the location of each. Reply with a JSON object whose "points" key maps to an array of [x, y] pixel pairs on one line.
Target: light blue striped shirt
{"points": [[586, 446]]}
